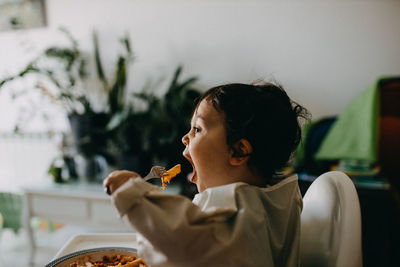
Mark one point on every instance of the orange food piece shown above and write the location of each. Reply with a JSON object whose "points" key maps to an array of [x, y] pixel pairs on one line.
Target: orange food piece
{"points": [[171, 173]]}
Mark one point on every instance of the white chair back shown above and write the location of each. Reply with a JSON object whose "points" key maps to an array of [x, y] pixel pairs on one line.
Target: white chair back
{"points": [[331, 223]]}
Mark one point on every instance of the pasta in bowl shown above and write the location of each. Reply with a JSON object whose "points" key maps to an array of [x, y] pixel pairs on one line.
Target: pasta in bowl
{"points": [[100, 257]]}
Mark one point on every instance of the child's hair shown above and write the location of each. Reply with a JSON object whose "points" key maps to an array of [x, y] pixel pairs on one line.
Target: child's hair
{"points": [[264, 115]]}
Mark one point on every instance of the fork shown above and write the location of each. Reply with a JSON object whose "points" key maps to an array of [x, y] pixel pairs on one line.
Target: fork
{"points": [[155, 172]]}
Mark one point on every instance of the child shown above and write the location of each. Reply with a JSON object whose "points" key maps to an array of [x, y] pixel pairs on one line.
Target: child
{"points": [[240, 136]]}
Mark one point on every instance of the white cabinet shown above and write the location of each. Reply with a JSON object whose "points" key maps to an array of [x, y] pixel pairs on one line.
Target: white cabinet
{"points": [[79, 204]]}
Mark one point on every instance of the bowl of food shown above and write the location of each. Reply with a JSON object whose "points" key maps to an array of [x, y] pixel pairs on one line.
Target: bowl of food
{"points": [[100, 257]]}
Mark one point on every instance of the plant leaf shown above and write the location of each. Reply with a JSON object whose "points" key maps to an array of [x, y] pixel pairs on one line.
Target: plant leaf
{"points": [[117, 93], [99, 66], [116, 120], [30, 68], [127, 43], [176, 76]]}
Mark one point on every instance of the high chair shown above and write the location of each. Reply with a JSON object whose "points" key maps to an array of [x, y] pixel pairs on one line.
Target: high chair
{"points": [[11, 210], [331, 223]]}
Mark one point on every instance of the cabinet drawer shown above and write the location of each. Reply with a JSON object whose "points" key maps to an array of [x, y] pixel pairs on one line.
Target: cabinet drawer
{"points": [[105, 212], [59, 208]]}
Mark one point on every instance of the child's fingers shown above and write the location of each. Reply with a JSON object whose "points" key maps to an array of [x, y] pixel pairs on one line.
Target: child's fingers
{"points": [[115, 179]]}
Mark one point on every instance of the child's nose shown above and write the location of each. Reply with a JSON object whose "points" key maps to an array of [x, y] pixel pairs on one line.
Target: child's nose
{"points": [[185, 139]]}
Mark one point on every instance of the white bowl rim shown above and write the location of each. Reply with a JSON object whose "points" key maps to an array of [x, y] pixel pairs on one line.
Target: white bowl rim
{"points": [[57, 261]]}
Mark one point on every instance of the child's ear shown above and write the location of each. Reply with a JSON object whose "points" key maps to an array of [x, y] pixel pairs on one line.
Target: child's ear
{"points": [[240, 152]]}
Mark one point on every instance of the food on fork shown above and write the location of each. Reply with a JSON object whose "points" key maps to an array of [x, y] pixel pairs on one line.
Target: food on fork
{"points": [[171, 173]]}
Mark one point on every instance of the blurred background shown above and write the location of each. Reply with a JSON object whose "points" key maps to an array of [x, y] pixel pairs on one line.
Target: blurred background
{"points": [[90, 86]]}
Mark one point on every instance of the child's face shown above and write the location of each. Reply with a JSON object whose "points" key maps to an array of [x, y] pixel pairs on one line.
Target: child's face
{"points": [[206, 147]]}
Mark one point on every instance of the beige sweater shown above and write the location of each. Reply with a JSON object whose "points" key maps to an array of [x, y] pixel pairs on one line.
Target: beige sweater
{"points": [[230, 225]]}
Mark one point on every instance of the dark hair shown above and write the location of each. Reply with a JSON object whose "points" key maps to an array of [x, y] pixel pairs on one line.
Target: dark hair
{"points": [[264, 115]]}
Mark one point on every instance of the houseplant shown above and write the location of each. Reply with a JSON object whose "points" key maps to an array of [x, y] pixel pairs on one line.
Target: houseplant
{"points": [[126, 136], [61, 73], [153, 135]]}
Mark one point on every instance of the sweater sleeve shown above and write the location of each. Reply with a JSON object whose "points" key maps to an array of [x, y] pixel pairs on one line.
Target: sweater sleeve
{"points": [[172, 223]]}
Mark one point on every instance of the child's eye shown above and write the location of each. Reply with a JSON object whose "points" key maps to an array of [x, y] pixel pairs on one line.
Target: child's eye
{"points": [[196, 129]]}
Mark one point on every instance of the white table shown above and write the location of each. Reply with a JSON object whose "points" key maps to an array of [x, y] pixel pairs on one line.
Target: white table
{"points": [[80, 204]]}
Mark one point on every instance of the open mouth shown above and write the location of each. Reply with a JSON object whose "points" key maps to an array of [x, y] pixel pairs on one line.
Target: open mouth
{"points": [[192, 177]]}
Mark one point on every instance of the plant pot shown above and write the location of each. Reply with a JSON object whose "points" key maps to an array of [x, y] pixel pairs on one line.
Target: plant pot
{"points": [[91, 170], [88, 132]]}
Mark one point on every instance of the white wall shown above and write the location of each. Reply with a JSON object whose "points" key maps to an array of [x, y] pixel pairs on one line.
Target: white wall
{"points": [[25, 160], [323, 52]]}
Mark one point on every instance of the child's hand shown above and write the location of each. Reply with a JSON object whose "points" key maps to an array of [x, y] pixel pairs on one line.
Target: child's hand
{"points": [[116, 179]]}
